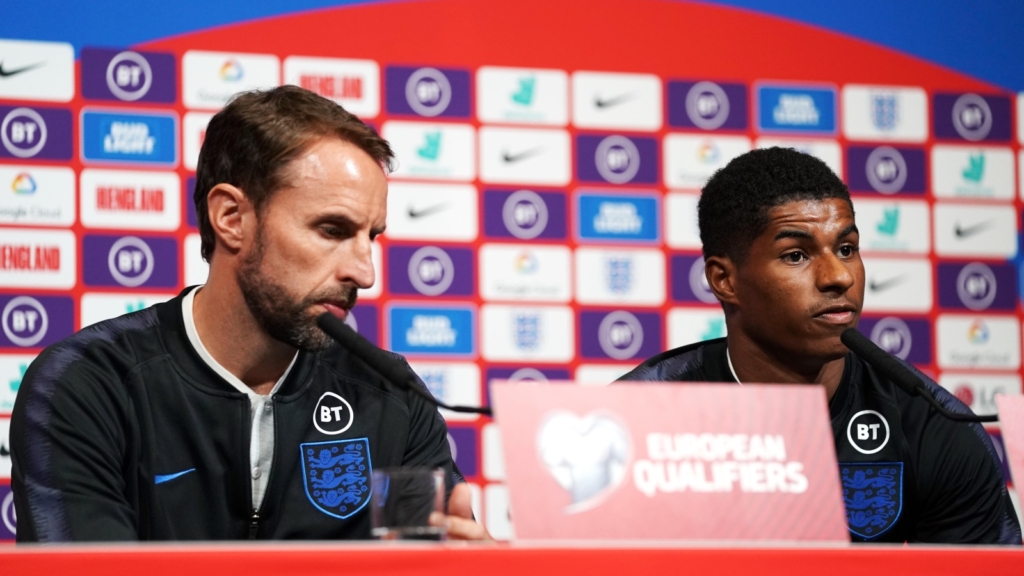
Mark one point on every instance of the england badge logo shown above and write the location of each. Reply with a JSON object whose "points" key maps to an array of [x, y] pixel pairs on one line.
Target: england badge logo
{"points": [[873, 493], [336, 475]]}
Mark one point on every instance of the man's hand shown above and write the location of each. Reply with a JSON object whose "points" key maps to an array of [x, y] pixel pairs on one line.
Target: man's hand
{"points": [[459, 520]]}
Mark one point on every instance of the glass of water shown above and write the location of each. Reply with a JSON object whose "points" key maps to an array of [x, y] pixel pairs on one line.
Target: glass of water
{"points": [[402, 502]]}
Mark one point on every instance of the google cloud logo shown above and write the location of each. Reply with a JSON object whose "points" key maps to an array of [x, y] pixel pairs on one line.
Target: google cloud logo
{"points": [[23, 184], [231, 71]]}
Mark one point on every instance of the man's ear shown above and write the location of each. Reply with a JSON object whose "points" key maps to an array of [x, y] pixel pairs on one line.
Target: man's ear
{"points": [[228, 208], [720, 272]]}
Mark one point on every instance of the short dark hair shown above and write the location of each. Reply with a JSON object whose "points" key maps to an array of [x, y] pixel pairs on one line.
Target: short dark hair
{"points": [[251, 141], [734, 205]]}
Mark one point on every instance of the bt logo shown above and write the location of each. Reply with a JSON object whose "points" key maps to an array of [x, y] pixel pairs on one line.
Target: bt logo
{"points": [[886, 170], [428, 92], [617, 159], [707, 105], [976, 286], [893, 335], [333, 414], [23, 132], [130, 261], [525, 214], [129, 76], [972, 117], [431, 270], [620, 335], [24, 321]]}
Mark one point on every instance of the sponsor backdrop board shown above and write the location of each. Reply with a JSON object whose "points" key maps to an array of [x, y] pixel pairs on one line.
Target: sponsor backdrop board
{"points": [[542, 219]]}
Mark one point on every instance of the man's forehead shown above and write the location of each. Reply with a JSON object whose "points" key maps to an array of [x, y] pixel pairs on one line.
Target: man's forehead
{"points": [[810, 211]]}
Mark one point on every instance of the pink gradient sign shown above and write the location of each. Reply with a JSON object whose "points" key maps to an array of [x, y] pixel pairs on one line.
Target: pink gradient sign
{"points": [[670, 462], [1011, 422]]}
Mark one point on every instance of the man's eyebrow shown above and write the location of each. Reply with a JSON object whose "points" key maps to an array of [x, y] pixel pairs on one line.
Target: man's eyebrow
{"points": [[792, 233], [852, 228]]}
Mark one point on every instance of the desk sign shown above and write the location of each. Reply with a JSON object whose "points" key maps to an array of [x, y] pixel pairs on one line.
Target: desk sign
{"points": [[670, 462], [1011, 422]]}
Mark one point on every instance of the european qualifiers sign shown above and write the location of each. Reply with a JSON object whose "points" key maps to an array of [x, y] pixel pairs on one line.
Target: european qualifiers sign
{"points": [[671, 462]]}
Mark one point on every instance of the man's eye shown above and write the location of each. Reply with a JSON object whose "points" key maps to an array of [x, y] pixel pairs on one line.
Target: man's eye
{"points": [[847, 251], [793, 257], [332, 231]]}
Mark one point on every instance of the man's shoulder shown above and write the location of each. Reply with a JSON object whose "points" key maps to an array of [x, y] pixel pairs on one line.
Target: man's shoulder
{"points": [[109, 347], [691, 363]]}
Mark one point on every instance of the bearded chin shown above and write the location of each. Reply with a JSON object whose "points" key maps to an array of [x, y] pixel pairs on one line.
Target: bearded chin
{"points": [[281, 317]]}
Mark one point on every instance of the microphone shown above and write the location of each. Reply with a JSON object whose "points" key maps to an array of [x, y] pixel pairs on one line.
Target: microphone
{"points": [[900, 375], [377, 361]]}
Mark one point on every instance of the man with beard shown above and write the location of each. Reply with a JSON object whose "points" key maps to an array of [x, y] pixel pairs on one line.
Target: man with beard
{"points": [[226, 413], [781, 253]]}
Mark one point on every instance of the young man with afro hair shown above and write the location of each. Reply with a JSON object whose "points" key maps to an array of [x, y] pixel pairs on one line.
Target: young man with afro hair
{"points": [[781, 254]]}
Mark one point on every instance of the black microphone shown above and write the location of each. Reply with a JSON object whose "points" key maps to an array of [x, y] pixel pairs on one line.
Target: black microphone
{"points": [[377, 361], [900, 375]]}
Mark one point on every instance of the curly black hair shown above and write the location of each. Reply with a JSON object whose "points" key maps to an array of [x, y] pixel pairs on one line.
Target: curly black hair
{"points": [[733, 207]]}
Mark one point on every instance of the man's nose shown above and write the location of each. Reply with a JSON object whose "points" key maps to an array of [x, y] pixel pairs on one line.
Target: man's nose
{"points": [[357, 266], [834, 274]]}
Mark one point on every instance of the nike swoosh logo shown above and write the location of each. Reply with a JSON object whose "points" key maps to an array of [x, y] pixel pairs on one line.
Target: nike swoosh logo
{"points": [[885, 284], [612, 101], [8, 73], [510, 158], [161, 478], [414, 213], [971, 230]]}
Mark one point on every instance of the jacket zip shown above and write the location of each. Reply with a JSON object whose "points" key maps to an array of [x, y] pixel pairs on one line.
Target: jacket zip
{"points": [[254, 524]]}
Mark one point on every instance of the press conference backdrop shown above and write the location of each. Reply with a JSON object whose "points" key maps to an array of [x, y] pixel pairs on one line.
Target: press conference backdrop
{"points": [[542, 218]]}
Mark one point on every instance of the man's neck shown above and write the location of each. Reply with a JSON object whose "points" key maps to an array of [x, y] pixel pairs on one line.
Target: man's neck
{"points": [[751, 363], [235, 340]]}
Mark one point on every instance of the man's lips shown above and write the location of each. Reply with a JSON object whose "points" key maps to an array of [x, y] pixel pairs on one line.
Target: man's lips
{"points": [[842, 314], [337, 309]]}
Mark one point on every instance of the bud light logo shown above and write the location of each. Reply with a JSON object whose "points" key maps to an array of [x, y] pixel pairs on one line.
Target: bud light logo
{"points": [[430, 271], [524, 214], [617, 159], [886, 170], [447, 331], [428, 92], [609, 217], [707, 105], [128, 76], [620, 335], [977, 286], [893, 335], [130, 261], [142, 138], [35, 321]]}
